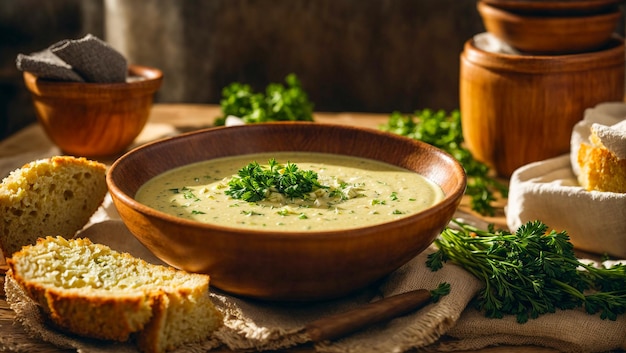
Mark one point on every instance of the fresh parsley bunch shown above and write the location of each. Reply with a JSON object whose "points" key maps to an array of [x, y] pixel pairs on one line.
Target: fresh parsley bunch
{"points": [[444, 131], [278, 103], [530, 272]]}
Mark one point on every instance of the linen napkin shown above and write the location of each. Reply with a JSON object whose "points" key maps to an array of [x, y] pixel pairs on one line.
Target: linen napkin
{"points": [[549, 191], [88, 59]]}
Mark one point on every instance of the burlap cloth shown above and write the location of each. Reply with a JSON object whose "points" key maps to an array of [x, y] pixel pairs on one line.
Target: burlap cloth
{"points": [[449, 325]]}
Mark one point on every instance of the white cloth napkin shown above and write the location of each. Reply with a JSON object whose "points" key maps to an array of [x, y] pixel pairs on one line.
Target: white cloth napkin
{"points": [[549, 191], [489, 43]]}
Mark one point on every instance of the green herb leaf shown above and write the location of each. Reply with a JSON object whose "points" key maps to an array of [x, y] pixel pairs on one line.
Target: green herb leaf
{"points": [[443, 130], [441, 291], [531, 272], [278, 103]]}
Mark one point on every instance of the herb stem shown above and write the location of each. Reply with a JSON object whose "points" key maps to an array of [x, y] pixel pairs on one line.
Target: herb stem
{"points": [[530, 272]]}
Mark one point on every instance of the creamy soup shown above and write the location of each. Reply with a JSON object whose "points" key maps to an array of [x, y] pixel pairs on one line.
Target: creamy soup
{"points": [[357, 192]]}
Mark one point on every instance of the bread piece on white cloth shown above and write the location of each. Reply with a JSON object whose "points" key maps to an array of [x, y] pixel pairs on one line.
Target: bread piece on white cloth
{"points": [[609, 119], [94, 291], [598, 148], [549, 191], [602, 160], [50, 196]]}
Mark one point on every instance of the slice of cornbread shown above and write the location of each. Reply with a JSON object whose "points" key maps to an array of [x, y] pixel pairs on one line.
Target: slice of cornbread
{"points": [[91, 290], [54, 196], [603, 168]]}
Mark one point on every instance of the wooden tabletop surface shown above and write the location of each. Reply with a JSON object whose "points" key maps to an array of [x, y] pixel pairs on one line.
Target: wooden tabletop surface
{"points": [[182, 118]]}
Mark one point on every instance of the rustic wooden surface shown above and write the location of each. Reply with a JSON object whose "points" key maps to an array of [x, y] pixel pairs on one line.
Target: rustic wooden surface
{"points": [[188, 118]]}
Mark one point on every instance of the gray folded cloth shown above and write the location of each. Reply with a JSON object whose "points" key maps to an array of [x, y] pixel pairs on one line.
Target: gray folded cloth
{"points": [[88, 59], [46, 65]]}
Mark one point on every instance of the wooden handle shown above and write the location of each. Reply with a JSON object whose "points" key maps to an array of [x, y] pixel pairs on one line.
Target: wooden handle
{"points": [[341, 324]]}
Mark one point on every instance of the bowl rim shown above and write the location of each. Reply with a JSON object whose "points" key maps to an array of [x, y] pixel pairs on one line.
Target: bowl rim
{"points": [[534, 19], [448, 200], [42, 87], [561, 6]]}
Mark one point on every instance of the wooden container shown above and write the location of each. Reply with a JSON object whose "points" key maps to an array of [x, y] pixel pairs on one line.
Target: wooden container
{"points": [[518, 109], [550, 35], [556, 7], [94, 119]]}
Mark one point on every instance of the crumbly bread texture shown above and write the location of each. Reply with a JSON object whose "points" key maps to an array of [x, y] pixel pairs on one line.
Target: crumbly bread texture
{"points": [[600, 169], [54, 196], [94, 291]]}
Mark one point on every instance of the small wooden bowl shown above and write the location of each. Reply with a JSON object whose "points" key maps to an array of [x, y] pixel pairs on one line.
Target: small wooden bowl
{"points": [[544, 35], [94, 119], [285, 266], [555, 7], [517, 109]]}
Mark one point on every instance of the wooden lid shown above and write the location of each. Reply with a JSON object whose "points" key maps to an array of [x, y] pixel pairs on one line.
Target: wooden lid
{"points": [[611, 55]]}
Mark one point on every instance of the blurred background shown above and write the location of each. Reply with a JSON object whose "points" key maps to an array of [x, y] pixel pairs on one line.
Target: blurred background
{"points": [[350, 55]]}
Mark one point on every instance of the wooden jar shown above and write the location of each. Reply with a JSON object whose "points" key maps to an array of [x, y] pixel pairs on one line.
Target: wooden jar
{"points": [[518, 109]]}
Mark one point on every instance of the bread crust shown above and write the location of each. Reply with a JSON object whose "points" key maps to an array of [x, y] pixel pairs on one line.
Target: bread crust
{"points": [[53, 196], [89, 315], [161, 307]]}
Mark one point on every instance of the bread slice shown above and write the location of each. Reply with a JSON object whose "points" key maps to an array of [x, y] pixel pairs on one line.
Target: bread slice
{"points": [[94, 291], [54, 196], [600, 169]]}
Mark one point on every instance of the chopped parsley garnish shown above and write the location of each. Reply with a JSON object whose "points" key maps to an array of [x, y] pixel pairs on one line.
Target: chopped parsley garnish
{"points": [[254, 182], [188, 194]]}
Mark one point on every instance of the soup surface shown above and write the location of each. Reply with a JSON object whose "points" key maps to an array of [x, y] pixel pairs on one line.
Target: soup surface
{"points": [[357, 192]]}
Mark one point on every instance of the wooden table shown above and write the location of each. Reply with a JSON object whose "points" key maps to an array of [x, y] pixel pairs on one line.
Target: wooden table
{"points": [[167, 119]]}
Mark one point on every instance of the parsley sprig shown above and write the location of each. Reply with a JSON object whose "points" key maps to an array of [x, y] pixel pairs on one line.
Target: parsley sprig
{"points": [[278, 103], [254, 182], [531, 272], [444, 131], [442, 290]]}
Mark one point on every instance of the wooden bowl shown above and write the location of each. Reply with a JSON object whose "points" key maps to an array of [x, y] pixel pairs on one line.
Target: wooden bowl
{"points": [[517, 109], [544, 35], [94, 119], [555, 7], [285, 266]]}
